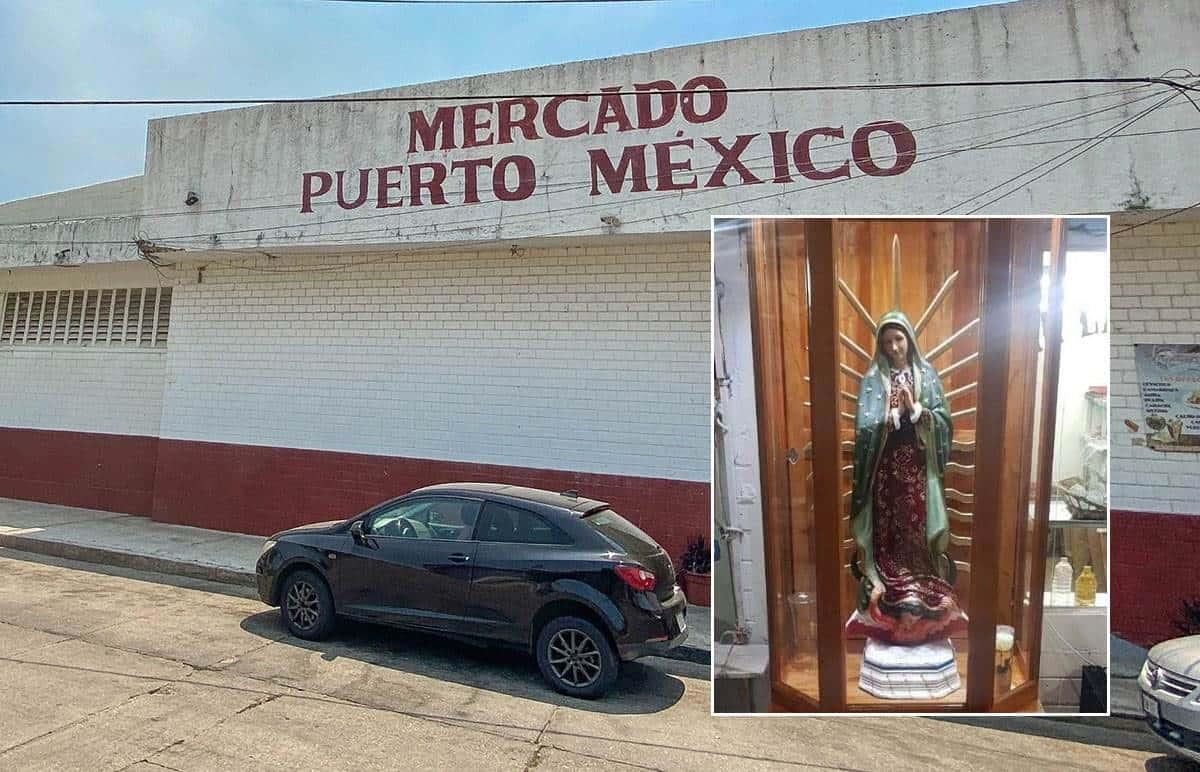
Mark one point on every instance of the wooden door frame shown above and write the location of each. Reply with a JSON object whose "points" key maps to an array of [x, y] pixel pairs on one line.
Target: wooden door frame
{"points": [[826, 461]]}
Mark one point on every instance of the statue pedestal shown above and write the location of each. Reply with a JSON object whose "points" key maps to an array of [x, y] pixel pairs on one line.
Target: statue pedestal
{"points": [[923, 672]]}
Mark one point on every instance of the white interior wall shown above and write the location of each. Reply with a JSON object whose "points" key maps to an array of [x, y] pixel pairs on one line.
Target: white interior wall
{"points": [[1084, 359], [738, 413]]}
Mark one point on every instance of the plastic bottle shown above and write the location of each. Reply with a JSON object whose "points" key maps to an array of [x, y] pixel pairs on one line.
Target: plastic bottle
{"points": [[1060, 589], [1085, 588]]}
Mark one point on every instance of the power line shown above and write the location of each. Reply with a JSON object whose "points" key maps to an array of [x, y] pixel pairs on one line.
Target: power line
{"points": [[368, 233], [291, 204], [490, 2], [1147, 80], [1115, 128], [341, 237], [1128, 228], [376, 232], [642, 200], [573, 184], [1098, 142], [1090, 145], [436, 249], [207, 236]]}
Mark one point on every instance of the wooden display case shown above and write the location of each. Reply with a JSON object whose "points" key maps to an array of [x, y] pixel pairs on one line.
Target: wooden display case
{"points": [[973, 289]]}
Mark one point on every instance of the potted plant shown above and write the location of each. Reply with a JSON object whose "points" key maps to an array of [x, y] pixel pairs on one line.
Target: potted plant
{"points": [[693, 572]]}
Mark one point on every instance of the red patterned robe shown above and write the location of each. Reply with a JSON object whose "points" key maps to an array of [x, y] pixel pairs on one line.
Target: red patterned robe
{"points": [[914, 605]]}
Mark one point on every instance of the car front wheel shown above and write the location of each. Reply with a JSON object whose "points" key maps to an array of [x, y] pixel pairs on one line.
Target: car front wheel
{"points": [[307, 605], [576, 658]]}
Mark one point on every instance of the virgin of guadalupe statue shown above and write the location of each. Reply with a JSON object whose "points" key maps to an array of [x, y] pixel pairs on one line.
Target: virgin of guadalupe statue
{"points": [[898, 510]]}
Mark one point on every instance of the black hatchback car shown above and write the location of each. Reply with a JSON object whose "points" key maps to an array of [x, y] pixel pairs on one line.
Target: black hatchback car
{"points": [[553, 573]]}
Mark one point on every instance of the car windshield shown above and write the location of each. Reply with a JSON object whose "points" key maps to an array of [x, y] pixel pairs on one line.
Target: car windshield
{"points": [[623, 533]]}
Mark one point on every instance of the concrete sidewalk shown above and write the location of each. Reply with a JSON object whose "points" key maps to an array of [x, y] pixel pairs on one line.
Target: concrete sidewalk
{"points": [[111, 538]]}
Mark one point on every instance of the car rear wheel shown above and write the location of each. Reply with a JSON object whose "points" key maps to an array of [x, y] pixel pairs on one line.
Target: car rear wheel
{"points": [[307, 605], [576, 658]]}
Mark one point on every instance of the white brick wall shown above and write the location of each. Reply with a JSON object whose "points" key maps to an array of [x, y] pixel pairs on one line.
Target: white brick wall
{"points": [[103, 390], [1155, 299], [590, 357], [111, 390]]}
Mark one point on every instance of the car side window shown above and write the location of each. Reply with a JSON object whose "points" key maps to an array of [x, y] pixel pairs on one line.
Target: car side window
{"points": [[502, 523], [426, 518]]}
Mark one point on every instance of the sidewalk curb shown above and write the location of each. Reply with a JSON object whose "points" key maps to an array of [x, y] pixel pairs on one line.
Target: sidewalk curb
{"points": [[153, 563], [102, 556], [1116, 721]]}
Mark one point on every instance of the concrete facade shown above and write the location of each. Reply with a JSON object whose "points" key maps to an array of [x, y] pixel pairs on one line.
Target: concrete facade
{"points": [[511, 164]]}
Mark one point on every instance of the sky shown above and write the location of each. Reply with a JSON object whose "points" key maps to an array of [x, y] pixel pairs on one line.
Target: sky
{"points": [[70, 49]]}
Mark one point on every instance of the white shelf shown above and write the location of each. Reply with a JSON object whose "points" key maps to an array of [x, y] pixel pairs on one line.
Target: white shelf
{"points": [[1101, 604], [1060, 517]]}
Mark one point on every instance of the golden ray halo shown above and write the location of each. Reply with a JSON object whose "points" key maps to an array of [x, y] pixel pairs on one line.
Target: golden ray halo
{"points": [[934, 304]]}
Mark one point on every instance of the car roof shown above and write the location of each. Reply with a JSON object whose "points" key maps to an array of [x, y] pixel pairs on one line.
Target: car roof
{"points": [[576, 504]]}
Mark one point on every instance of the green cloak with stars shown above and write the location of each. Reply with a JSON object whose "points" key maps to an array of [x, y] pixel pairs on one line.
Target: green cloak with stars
{"points": [[871, 431]]}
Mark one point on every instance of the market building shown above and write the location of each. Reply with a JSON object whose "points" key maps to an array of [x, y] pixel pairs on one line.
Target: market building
{"points": [[299, 309]]}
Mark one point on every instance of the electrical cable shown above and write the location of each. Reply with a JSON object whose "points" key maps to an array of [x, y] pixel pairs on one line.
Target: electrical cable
{"points": [[1088, 147], [207, 237], [1095, 143], [1147, 80], [1113, 130], [490, 2], [555, 187], [341, 237], [1172, 213], [173, 241]]}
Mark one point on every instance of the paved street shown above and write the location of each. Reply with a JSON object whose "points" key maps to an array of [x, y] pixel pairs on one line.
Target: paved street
{"points": [[115, 669]]}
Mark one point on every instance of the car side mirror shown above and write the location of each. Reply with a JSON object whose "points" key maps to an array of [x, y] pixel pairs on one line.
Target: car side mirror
{"points": [[356, 531]]}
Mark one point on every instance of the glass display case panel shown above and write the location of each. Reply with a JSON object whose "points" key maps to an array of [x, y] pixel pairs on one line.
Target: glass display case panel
{"points": [[801, 598], [1079, 501], [1083, 544], [779, 271], [1016, 638], [1015, 650]]}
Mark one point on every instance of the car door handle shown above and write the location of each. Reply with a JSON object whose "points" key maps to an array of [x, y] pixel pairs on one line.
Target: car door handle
{"points": [[459, 557]]}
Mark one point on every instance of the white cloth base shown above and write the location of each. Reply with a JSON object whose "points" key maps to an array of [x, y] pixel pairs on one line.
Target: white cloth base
{"points": [[924, 672]]}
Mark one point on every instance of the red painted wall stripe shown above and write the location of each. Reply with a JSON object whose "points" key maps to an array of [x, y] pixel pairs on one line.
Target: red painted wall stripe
{"points": [[112, 472], [1155, 566], [260, 490]]}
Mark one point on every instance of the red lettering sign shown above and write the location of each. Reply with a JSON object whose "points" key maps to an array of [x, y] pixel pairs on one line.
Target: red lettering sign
{"points": [[621, 170]]}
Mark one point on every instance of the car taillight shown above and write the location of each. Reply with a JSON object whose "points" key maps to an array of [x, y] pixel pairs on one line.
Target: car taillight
{"points": [[636, 577]]}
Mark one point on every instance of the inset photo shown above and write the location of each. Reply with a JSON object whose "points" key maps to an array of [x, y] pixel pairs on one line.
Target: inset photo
{"points": [[910, 465]]}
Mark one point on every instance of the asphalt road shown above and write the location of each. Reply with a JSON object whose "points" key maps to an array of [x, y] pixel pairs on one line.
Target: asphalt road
{"points": [[115, 669]]}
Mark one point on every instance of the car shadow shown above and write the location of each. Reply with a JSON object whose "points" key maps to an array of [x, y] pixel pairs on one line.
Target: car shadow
{"points": [[644, 686], [1126, 734], [1171, 764]]}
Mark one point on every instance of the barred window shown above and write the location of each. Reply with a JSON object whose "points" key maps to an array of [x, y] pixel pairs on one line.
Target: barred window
{"points": [[124, 317]]}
